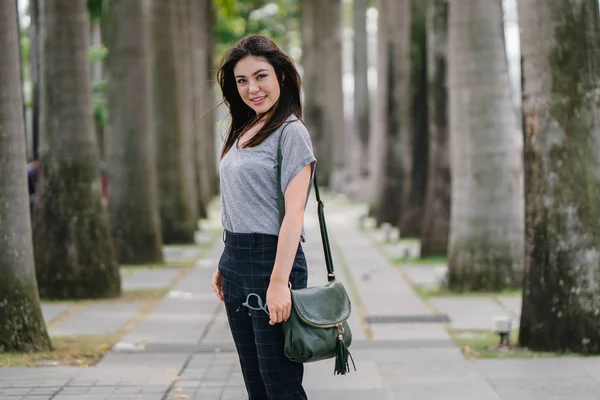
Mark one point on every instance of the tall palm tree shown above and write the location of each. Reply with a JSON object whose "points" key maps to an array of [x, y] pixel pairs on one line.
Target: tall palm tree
{"points": [[486, 222], [414, 189], [133, 201], [184, 46], [361, 85], [22, 327], [561, 68], [202, 85], [73, 250], [178, 221], [436, 219], [394, 104], [323, 104]]}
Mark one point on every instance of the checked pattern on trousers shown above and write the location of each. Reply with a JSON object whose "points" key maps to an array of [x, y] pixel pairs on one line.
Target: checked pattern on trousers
{"points": [[245, 266]]}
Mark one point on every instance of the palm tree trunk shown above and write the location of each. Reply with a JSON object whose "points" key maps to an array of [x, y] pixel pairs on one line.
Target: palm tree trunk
{"points": [[436, 220], [487, 217], [73, 250], [411, 214], [202, 105], [176, 211], [561, 69], [183, 44], [209, 120], [23, 328], [133, 201], [322, 80], [36, 64], [395, 104], [361, 85]]}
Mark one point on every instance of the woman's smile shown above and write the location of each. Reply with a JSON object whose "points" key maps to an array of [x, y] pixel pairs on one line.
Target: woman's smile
{"points": [[258, 100]]}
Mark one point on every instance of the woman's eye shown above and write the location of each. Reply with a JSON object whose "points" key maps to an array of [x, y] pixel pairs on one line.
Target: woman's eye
{"points": [[261, 76], [240, 81]]}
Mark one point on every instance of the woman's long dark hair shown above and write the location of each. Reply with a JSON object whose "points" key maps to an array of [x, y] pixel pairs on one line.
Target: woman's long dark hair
{"points": [[242, 116]]}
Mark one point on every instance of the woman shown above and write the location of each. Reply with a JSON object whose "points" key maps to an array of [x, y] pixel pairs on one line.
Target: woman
{"points": [[267, 166]]}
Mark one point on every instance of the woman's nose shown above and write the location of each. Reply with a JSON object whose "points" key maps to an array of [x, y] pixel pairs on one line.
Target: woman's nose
{"points": [[253, 87]]}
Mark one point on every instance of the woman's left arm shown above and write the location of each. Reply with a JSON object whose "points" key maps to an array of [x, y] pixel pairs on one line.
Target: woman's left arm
{"points": [[279, 300]]}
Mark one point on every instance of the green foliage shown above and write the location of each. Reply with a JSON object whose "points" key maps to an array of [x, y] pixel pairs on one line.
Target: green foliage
{"points": [[96, 8], [236, 19], [97, 53], [25, 45], [100, 103]]}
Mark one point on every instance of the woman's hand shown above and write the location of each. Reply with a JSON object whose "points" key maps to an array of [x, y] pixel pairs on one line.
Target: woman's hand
{"points": [[217, 284], [279, 302]]}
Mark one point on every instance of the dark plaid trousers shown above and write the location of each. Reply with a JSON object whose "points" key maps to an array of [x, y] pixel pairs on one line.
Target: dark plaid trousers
{"points": [[245, 266]]}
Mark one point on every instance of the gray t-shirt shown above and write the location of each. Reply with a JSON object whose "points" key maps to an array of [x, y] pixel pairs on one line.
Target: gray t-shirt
{"points": [[249, 198]]}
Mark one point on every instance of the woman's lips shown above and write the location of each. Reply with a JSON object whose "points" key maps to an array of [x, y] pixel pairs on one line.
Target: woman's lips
{"points": [[258, 100]]}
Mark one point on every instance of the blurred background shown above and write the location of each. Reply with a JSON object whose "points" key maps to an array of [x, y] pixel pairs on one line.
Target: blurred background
{"points": [[470, 126]]}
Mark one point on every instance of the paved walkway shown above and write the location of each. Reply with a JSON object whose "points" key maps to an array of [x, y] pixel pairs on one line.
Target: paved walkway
{"points": [[183, 349]]}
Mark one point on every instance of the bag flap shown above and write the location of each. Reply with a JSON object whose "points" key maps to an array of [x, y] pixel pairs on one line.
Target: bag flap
{"points": [[322, 305]]}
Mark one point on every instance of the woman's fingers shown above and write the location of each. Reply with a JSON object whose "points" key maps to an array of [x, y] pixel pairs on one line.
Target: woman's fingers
{"points": [[217, 284]]}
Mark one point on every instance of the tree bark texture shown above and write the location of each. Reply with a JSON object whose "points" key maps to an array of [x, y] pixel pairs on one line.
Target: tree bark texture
{"points": [[211, 95], [361, 85], [322, 80], [203, 102], [22, 326], [184, 60], [36, 63], [133, 194], [436, 220], [486, 244], [177, 217], [560, 42], [411, 214], [394, 94], [73, 250]]}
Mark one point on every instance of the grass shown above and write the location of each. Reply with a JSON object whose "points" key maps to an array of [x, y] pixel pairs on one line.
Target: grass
{"points": [[169, 264], [427, 261], [485, 344], [68, 351], [427, 292]]}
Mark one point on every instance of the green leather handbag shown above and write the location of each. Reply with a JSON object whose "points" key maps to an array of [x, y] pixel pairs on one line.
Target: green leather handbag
{"points": [[317, 328]]}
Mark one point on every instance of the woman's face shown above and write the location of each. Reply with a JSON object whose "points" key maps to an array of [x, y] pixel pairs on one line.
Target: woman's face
{"points": [[257, 83]]}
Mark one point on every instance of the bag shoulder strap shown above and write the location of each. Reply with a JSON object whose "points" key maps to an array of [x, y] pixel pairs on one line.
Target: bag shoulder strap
{"points": [[320, 212]]}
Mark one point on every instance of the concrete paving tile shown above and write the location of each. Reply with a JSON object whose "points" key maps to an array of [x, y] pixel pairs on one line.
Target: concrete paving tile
{"points": [[427, 276], [34, 397], [319, 376], [53, 311], [205, 394], [470, 313], [513, 303], [408, 331], [178, 253], [472, 390], [345, 394], [234, 393], [179, 321], [548, 388], [15, 391], [395, 304], [564, 368], [98, 319], [150, 278]]}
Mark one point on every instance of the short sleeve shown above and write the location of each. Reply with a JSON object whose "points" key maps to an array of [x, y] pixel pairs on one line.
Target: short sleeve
{"points": [[296, 152]]}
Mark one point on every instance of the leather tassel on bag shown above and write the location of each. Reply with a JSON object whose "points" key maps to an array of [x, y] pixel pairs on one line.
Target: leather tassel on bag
{"points": [[341, 355]]}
